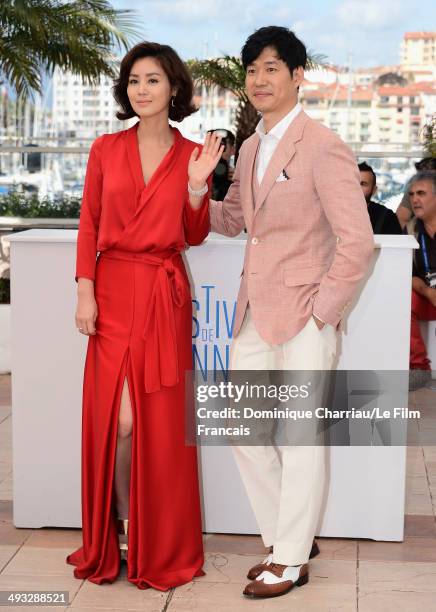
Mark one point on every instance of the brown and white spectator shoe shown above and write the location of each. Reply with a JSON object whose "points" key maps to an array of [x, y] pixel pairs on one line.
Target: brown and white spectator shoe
{"points": [[277, 580], [256, 570]]}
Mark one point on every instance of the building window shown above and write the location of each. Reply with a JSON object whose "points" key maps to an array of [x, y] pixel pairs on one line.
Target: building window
{"points": [[399, 99], [400, 109], [414, 110], [384, 100]]}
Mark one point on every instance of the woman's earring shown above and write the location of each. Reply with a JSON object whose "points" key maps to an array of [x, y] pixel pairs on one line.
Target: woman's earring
{"points": [[172, 101]]}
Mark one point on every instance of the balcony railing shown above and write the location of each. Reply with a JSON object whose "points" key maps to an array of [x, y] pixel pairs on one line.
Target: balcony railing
{"points": [[55, 171]]}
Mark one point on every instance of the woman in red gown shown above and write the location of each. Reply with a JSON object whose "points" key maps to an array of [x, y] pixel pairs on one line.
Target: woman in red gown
{"points": [[134, 303]]}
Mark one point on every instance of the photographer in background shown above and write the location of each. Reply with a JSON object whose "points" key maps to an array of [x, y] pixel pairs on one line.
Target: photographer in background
{"points": [[404, 211], [422, 194], [223, 174]]}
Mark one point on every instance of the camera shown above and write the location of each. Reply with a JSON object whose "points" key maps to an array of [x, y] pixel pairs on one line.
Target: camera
{"points": [[431, 279]]}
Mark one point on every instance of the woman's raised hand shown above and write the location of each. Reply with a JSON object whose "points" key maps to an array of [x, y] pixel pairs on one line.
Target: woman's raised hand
{"points": [[203, 164]]}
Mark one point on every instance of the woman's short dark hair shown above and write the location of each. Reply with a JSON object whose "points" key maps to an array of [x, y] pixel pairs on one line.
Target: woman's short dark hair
{"points": [[173, 67], [289, 48]]}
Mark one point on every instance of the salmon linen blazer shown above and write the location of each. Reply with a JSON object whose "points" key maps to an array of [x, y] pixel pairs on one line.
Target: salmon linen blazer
{"points": [[310, 240]]}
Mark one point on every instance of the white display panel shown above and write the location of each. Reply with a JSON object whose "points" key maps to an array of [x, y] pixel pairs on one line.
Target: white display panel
{"points": [[365, 497]]}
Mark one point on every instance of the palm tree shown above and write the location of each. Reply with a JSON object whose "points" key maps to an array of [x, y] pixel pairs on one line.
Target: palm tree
{"points": [[228, 73], [429, 137], [36, 36]]}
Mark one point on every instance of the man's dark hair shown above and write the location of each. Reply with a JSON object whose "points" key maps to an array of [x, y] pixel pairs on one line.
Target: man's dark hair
{"points": [[173, 67], [289, 48], [364, 167], [427, 163]]}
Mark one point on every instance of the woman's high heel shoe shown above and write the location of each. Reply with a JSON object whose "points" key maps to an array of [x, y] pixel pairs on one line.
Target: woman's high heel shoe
{"points": [[123, 528]]}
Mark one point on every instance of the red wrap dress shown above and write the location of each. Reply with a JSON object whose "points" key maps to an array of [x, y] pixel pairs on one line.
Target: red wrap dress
{"points": [[143, 332]]}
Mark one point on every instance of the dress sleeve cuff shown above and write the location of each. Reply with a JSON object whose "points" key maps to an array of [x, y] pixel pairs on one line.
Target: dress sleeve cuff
{"points": [[78, 275]]}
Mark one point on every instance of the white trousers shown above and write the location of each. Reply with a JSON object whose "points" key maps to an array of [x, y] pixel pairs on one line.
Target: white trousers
{"points": [[285, 484]]}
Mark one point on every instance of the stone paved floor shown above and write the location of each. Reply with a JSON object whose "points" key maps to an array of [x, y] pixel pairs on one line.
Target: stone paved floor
{"points": [[348, 575]]}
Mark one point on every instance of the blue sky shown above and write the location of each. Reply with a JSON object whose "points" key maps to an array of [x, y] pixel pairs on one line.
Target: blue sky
{"points": [[369, 29]]}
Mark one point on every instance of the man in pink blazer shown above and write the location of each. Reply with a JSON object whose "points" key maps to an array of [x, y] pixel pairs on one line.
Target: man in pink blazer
{"points": [[297, 192]]}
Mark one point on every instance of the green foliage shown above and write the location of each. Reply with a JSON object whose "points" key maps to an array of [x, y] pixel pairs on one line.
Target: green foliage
{"points": [[429, 132], [76, 35], [226, 72], [18, 205]]}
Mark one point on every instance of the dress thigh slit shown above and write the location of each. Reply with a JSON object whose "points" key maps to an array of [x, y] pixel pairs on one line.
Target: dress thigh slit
{"points": [[98, 559]]}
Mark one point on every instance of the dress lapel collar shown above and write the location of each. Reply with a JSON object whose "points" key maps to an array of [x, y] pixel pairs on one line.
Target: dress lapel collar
{"points": [[133, 157], [145, 192]]}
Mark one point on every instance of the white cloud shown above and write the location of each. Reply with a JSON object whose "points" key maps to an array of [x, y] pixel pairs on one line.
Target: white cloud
{"points": [[188, 11], [371, 13], [220, 13]]}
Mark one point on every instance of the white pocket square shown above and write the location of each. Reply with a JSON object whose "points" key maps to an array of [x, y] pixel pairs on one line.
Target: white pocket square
{"points": [[282, 177]]}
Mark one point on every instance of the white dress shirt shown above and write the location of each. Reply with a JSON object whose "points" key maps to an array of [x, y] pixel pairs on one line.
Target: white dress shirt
{"points": [[269, 141]]}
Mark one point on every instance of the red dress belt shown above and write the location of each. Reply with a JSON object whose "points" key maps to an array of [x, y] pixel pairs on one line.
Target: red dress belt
{"points": [[169, 290]]}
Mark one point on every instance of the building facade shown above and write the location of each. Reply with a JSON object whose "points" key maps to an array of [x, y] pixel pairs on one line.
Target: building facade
{"points": [[81, 110], [418, 50]]}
